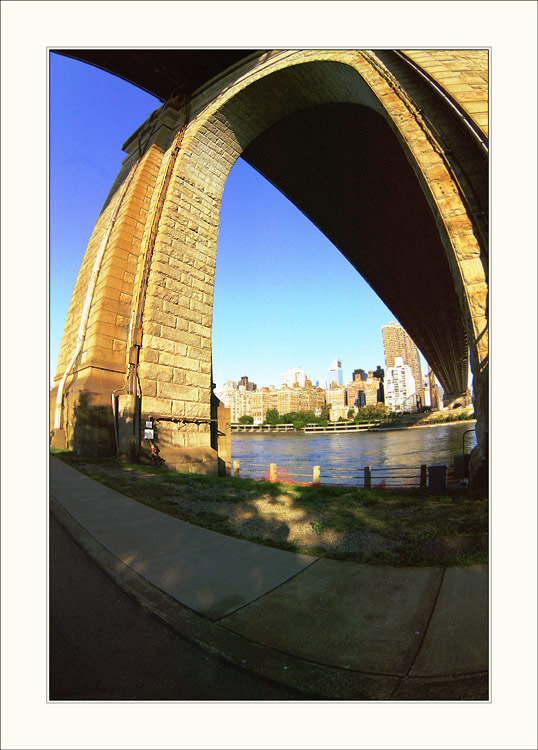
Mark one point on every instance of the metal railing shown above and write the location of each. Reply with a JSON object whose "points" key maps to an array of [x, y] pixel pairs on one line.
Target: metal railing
{"points": [[435, 476]]}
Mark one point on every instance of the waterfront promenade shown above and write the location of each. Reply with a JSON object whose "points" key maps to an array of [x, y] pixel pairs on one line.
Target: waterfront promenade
{"points": [[333, 427], [328, 629]]}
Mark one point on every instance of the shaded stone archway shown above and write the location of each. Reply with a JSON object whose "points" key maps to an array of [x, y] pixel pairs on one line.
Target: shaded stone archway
{"points": [[342, 137]]}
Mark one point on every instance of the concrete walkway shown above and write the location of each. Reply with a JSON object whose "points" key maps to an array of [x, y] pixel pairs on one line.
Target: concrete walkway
{"points": [[335, 630]]}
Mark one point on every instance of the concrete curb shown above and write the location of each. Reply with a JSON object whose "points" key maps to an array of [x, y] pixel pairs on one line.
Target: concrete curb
{"points": [[316, 681]]}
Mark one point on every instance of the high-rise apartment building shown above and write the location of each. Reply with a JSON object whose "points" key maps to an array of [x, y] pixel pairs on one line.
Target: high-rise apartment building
{"points": [[316, 400], [246, 382], [359, 373], [291, 399], [356, 396], [263, 399], [373, 389], [337, 398], [400, 387], [226, 392], [296, 375], [240, 403], [398, 343]]}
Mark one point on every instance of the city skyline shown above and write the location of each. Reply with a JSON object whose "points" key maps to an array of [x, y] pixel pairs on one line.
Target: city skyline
{"points": [[282, 290], [300, 374]]}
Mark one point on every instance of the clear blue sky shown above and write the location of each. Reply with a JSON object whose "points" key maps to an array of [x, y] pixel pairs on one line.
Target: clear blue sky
{"points": [[284, 295]]}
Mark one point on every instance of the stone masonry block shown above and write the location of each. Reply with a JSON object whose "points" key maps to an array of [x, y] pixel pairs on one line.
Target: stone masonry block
{"points": [[99, 326], [187, 315], [451, 206], [114, 267], [478, 296], [177, 392], [149, 355], [119, 345], [102, 315], [149, 387], [153, 371], [178, 438], [203, 355], [196, 378], [201, 410], [165, 319], [465, 247], [98, 340], [188, 339], [203, 286], [458, 225], [107, 359], [201, 307], [156, 406], [436, 172], [186, 363], [178, 408], [105, 292], [199, 329], [198, 440], [179, 376], [167, 359], [151, 328], [157, 343]]}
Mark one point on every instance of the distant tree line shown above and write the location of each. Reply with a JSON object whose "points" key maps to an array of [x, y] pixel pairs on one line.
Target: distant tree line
{"points": [[299, 419]]}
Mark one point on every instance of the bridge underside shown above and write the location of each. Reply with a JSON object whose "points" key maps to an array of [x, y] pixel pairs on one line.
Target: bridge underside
{"points": [[161, 72], [364, 196]]}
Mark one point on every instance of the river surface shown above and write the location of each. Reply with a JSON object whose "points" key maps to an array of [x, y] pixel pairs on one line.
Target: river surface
{"points": [[347, 454]]}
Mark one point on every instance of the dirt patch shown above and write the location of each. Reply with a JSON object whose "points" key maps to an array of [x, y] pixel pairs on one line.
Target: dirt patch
{"points": [[276, 518]]}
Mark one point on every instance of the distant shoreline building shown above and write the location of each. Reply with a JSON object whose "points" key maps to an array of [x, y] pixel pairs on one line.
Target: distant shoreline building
{"points": [[398, 343], [432, 391], [400, 387], [335, 374], [296, 375], [246, 382]]}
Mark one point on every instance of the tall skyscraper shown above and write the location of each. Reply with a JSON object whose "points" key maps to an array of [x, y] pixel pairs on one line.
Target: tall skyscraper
{"points": [[335, 374], [398, 343]]}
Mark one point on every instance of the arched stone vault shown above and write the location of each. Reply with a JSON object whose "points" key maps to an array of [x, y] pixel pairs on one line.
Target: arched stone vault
{"points": [[343, 138]]}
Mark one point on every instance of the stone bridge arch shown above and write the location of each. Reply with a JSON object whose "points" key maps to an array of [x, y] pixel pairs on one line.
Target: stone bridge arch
{"points": [[362, 146]]}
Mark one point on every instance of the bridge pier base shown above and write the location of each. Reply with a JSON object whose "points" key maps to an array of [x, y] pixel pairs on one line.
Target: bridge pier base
{"points": [[86, 425], [456, 400]]}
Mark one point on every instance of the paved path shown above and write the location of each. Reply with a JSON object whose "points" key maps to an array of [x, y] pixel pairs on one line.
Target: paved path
{"points": [[336, 630], [104, 646]]}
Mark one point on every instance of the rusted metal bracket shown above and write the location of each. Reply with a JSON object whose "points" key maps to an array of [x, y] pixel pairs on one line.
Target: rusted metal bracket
{"points": [[182, 420]]}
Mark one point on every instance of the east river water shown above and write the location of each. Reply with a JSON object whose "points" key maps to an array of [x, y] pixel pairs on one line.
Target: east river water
{"points": [[351, 452]]}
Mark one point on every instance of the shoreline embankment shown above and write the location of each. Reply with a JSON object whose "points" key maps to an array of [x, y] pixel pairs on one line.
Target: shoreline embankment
{"points": [[432, 424]]}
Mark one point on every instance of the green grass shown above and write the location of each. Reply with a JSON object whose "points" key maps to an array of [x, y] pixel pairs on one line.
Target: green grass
{"points": [[406, 518]]}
